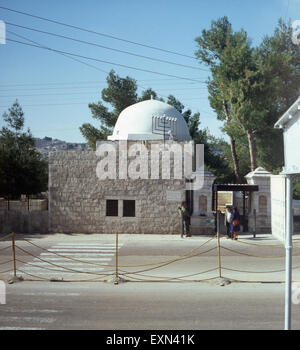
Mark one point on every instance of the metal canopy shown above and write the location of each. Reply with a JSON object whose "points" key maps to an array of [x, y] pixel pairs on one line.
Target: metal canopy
{"points": [[235, 187]]}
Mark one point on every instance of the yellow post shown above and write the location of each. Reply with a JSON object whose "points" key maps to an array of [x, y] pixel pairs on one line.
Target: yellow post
{"points": [[14, 254], [117, 261], [219, 245]]}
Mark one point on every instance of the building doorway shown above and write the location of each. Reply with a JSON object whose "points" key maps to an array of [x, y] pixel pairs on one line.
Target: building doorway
{"points": [[244, 205]]}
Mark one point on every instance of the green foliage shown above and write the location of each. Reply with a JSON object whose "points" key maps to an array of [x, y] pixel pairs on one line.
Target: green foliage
{"points": [[214, 159], [22, 168], [125, 90], [148, 94], [120, 93], [251, 87], [297, 191]]}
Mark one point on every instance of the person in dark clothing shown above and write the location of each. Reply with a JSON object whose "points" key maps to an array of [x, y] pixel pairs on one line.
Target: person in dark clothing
{"points": [[228, 215], [185, 215], [235, 223]]}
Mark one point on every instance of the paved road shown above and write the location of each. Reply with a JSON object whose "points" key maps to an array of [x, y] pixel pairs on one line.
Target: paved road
{"points": [[179, 295], [193, 306]]}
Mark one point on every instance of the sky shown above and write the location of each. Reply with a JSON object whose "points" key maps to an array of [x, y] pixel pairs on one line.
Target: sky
{"points": [[54, 90]]}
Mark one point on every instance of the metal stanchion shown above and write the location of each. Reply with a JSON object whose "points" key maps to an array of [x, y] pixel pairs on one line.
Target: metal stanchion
{"points": [[14, 278], [117, 261], [14, 254], [289, 248], [219, 246], [254, 233]]}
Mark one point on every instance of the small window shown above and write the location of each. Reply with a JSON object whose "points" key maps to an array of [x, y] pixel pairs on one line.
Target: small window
{"points": [[263, 204], [112, 207], [129, 208], [202, 204]]}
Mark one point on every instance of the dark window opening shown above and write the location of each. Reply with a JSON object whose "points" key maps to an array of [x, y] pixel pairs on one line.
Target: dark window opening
{"points": [[112, 207], [129, 208]]}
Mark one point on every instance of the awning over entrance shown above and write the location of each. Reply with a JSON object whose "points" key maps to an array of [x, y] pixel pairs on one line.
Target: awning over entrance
{"points": [[235, 187], [244, 188]]}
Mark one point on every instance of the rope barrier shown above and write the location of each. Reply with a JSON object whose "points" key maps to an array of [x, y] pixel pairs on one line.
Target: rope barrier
{"points": [[169, 278], [138, 275], [66, 257], [66, 268], [6, 262], [174, 260], [5, 248], [255, 281], [257, 244], [133, 279], [126, 266], [254, 256], [96, 279], [59, 266], [247, 271], [3, 238], [5, 271]]}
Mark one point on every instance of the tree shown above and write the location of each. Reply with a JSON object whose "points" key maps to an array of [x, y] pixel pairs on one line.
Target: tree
{"points": [[120, 93], [22, 168], [278, 61], [214, 159], [211, 47], [148, 94], [251, 87], [126, 91]]}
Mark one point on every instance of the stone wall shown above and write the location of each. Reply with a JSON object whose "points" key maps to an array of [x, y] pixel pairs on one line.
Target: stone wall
{"points": [[77, 199], [24, 205], [23, 222]]}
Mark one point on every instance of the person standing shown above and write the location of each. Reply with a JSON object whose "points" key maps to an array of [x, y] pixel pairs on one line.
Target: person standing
{"points": [[235, 223], [185, 216], [228, 215]]}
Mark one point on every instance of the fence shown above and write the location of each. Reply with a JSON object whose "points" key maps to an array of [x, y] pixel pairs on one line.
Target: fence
{"points": [[149, 272], [24, 205]]}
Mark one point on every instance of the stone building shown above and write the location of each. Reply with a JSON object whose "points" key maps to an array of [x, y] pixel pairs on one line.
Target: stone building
{"points": [[79, 201], [140, 198]]}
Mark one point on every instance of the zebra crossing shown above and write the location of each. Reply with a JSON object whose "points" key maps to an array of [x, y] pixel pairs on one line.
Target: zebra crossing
{"points": [[74, 261], [77, 260]]}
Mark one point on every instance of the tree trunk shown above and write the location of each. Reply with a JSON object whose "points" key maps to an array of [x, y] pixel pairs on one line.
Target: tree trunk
{"points": [[252, 149], [235, 160], [233, 148]]}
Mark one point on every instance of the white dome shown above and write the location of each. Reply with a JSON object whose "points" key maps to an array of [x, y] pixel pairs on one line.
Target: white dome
{"points": [[150, 120]]}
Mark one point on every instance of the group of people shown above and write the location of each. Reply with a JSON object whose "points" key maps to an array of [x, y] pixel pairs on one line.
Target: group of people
{"points": [[232, 221]]}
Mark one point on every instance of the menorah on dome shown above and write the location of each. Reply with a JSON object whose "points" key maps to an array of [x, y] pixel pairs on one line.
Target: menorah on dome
{"points": [[164, 125]]}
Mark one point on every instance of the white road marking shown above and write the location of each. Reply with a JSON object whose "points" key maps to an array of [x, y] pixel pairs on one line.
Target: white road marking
{"points": [[21, 329], [37, 262], [51, 258], [79, 250], [51, 294], [27, 319], [33, 311], [77, 254], [58, 254], [84, 245], [57, 269]]}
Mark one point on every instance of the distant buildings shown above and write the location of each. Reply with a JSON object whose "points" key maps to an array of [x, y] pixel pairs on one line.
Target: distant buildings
{"points": [[47, 145]]}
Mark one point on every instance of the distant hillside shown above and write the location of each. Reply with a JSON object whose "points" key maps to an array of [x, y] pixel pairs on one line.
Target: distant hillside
{"points": [[47, 144]]}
